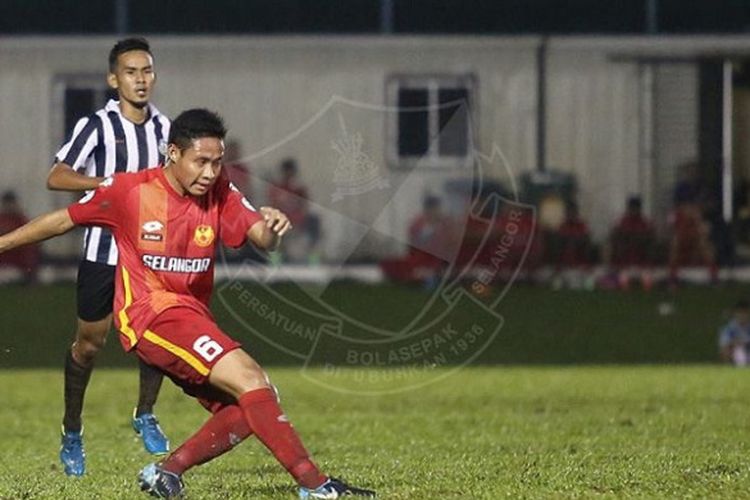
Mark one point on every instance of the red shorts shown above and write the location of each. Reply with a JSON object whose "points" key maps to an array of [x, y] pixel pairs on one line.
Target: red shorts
{"points": [[185, 345]]}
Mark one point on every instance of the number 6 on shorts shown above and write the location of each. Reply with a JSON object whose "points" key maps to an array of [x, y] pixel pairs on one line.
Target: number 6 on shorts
{"points": [[207, 348]]}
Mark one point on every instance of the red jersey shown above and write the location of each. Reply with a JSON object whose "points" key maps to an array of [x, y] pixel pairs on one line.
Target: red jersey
{"points": [[633, 224], [166, 241], [573, 228]]}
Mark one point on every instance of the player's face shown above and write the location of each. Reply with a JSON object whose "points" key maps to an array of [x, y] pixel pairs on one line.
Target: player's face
{"points": [[134, 77], [197, 167]]}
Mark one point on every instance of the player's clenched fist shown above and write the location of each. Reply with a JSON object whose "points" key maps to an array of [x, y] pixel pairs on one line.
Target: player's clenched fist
{"points": [[276, 220]]}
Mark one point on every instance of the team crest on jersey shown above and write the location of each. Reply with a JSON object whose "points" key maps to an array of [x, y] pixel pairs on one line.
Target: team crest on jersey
{"points": [[204, 235]]}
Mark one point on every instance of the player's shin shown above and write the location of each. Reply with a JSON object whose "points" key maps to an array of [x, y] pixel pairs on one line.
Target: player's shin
{"points": [[76, 380], [225, 429], [268, 422], [150, 383]]}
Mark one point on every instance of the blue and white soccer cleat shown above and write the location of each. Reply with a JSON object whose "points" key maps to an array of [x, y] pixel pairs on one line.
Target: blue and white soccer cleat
{"points": [[334, 488], [160, 483], [154, 440], [72, 455]]}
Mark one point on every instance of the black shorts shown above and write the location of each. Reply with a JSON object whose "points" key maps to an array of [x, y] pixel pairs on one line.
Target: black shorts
{"points": [[95, 291]]}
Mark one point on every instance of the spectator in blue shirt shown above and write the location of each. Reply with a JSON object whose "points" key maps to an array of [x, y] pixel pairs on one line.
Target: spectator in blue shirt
{"points": [[734, 338]]}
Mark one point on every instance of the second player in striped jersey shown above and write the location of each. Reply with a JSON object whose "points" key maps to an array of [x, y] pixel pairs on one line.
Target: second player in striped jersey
{"points": [[127, 135]]}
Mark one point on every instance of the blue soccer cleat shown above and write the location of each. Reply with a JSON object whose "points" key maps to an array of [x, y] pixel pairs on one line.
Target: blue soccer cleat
{"points": [[154, 440], [334, 488], [160, 483], [72, 455]]}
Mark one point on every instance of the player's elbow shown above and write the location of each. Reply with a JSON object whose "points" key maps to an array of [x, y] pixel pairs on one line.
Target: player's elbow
{"points": [[54, 182], [62, 222], [262, 237]]}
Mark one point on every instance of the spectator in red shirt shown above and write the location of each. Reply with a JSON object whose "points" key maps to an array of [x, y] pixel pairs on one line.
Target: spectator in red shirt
{"points": [[570, 251], [690, 243], [24, 259], [429, 241], [632, 245], [289, 194], [573, 240]]}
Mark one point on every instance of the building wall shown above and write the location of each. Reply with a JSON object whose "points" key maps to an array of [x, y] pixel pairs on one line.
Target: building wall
{"points": [[278, 95]]}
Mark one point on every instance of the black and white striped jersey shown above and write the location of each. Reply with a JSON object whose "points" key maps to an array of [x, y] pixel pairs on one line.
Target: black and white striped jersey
{"points": [[105, 143]]}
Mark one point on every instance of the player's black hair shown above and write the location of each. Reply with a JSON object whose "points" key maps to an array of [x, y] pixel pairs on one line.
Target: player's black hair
{"points": [[742, 305], [289, 165], [195, 124], [430, 201], [9, 196], [634, 203], [126, 45]]}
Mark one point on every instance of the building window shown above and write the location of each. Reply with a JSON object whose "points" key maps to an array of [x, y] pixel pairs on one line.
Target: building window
{"points": [[74, 97], [432, 126]]}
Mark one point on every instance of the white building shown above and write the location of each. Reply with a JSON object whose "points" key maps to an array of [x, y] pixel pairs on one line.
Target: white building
{"points": [[621, 114]]}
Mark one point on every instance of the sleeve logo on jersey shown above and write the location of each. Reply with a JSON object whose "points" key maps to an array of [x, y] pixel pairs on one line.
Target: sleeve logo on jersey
{"points": [[105, 183], [204, 235], [87, 197], [248, 205], [152, 231]]}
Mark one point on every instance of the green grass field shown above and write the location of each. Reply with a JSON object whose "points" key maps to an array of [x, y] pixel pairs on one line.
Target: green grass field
{"points": [[593, 432], [549, 409]]}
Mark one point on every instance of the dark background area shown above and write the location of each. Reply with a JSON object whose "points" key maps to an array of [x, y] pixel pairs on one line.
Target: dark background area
{"points": [[564, 329], [364, 16]]}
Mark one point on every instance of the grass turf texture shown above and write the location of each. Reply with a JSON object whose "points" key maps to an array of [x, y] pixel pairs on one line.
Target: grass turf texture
{"points": [[552, 432]]}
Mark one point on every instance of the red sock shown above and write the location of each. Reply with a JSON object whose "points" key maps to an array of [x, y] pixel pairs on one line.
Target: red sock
{"points": [[269, 423], [226, 428]]}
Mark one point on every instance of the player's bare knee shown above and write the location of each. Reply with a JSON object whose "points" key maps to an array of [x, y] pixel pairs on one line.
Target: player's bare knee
{"points": [[90, 339], [86, 349], [237, 373], [254, 378]]}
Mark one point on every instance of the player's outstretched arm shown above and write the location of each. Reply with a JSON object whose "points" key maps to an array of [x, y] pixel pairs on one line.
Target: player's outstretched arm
{"points": [[43, 227], [63, 178], [266, 234]]}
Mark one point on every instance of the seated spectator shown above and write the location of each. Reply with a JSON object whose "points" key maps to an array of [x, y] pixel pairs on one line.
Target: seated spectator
{"points": [[633, 244], [289, 195], [25, 259], [689, 189], [429, 241], [515, 241], [571, 244], [570, 251], [734, 338], [690, 244]]}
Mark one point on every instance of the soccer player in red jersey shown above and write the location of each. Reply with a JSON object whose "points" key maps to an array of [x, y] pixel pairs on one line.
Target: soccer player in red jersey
{"points": [[167, 223]]}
